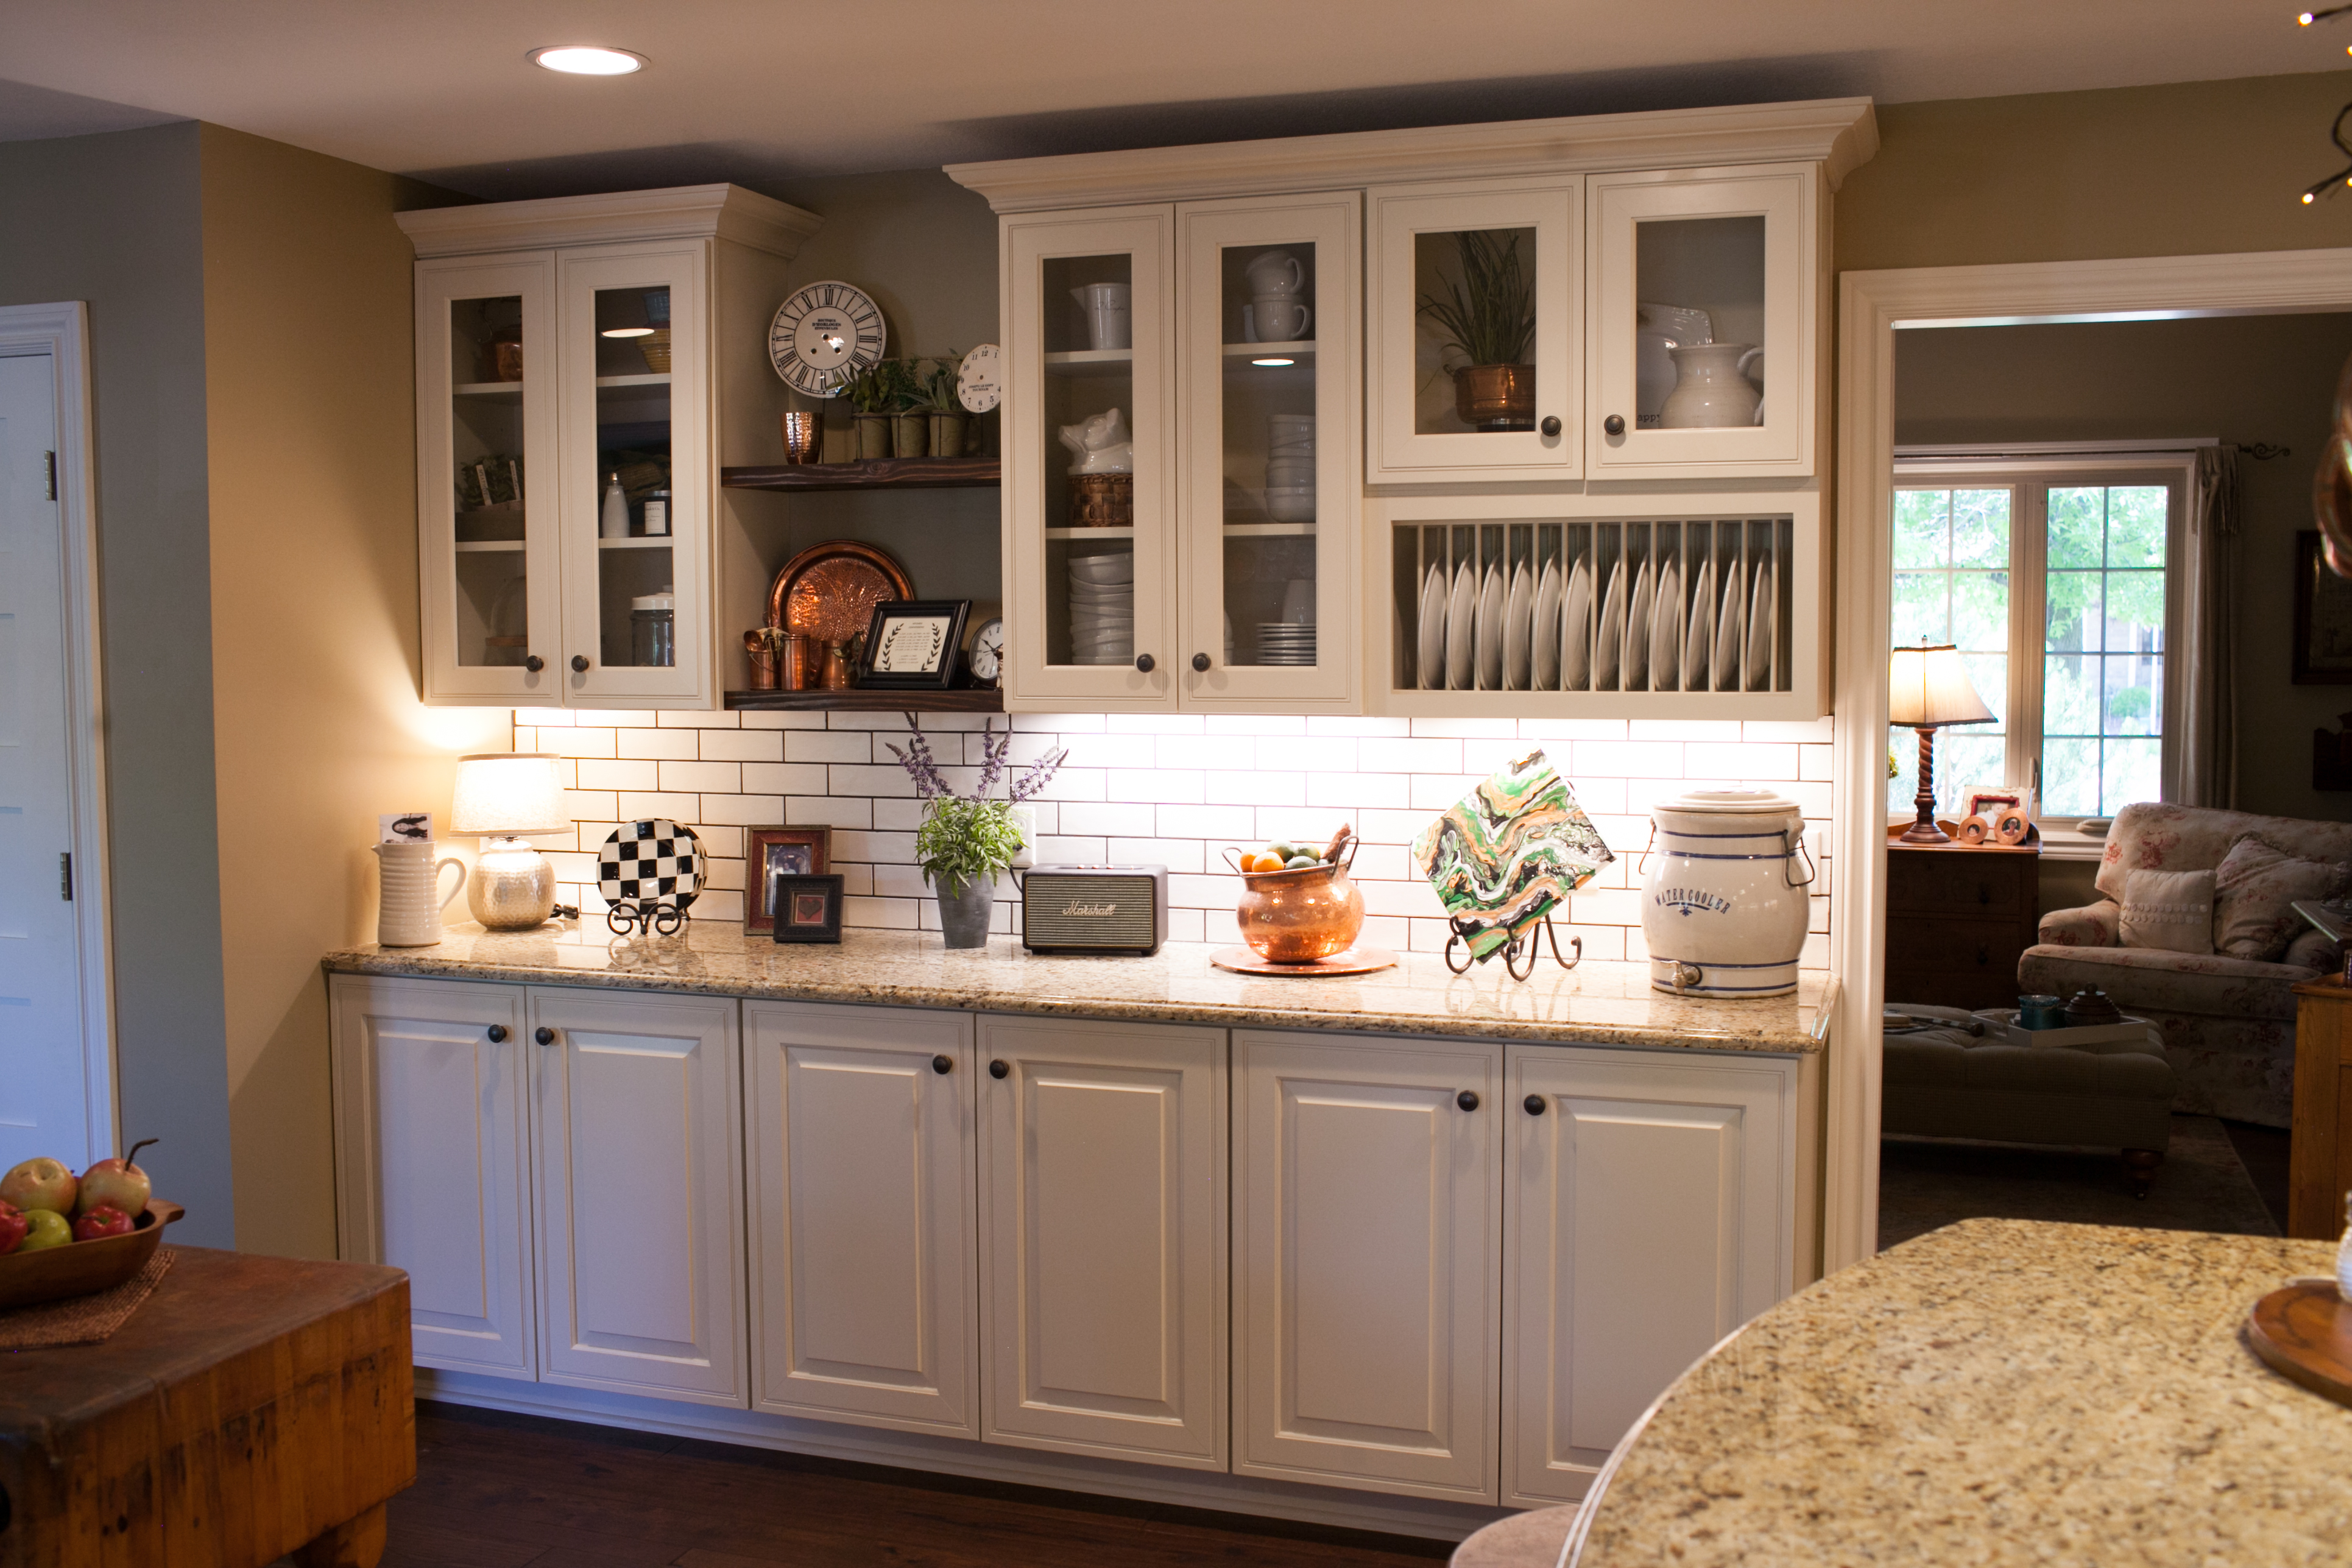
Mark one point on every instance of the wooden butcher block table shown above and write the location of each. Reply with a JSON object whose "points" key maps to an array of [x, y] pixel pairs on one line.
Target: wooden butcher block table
{"points": [[252, 1407]]}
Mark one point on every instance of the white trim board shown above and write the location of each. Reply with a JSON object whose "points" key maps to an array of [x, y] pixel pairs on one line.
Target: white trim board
{"points": [[61, 331], [1428, 1518], [1872, 306]]}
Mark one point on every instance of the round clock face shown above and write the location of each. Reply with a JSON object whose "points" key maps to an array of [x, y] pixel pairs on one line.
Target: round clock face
{"points": [[823, 335], [987, 649], [979, 381]]}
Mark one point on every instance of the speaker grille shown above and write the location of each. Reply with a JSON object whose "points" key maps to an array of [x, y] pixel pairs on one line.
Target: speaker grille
{"points": [[1087, 911]]}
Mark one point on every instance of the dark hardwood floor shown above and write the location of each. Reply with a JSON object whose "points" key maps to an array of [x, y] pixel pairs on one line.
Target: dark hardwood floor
{"points": [[496, 1491]]}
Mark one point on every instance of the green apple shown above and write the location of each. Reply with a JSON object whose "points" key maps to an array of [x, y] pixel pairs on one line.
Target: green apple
{"points": [[44, 1228]]}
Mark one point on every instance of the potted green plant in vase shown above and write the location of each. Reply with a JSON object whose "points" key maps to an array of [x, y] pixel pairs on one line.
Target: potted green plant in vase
{"points": [[909, 420], [1489, 317], [870, 403], [966, 842], [944, 403]]}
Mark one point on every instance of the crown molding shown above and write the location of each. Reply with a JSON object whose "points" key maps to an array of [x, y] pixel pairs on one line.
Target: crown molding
{"points": [[682, 212], [1838, 133]]}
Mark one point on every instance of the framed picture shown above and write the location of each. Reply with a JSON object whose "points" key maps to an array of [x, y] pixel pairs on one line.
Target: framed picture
{"points": [[2323, 618], [913, 644], [808, 909], [772, 852]]}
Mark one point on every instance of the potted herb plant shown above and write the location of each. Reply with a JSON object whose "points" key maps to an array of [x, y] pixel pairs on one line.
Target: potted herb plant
{"points": [[1489, 317], [870, 400], [909, 423], [966, 842], [944, 403]]}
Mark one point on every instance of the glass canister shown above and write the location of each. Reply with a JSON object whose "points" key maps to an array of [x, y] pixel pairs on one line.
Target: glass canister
{"points": [[653, 629]]}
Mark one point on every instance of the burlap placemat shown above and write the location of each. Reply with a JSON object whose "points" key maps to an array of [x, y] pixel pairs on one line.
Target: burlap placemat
{"points": [[85, 1320]]}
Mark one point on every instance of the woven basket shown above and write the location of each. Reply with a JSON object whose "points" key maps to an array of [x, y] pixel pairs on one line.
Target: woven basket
{"points": [[1102, 501], [655, 347]]}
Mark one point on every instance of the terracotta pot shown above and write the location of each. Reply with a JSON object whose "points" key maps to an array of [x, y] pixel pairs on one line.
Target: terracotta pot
{"points": [[1297, 917], [1495, 396]]}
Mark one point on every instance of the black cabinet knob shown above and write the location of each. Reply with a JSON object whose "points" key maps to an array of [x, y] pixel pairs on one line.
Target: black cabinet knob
{"points": [[497, 1033], [943, 1063], [1552, 424], [580, 663], [1984, 955], [1984, 894], [534, 664], [545, 1035], [998, 1068], [1614, 425], [1144, 661], [1467, 1099], [1200, 662], [1535, 1104]]}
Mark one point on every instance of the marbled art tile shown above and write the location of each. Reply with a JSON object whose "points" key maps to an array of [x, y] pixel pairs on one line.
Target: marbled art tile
{"points": [[1508, 852]]}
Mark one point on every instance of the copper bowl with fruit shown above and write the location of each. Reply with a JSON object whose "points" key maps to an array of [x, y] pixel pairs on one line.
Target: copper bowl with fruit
{"points": [[1301, 907]]}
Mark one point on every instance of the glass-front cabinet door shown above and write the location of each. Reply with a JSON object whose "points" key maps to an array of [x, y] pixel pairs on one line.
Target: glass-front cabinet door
{"points": [[1474, 342], [1705, 311], [1266, 313], [1089, 478], [487, 480]]}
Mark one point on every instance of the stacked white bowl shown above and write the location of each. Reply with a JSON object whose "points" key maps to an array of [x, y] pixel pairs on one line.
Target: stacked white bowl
{"points": [[1102, 608], [1290, 468], [1290, 640]]}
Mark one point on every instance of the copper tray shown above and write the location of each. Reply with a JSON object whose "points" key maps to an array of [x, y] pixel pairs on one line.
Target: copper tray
{"points": [[1354, 960], [828, 591], [84, 1268]]}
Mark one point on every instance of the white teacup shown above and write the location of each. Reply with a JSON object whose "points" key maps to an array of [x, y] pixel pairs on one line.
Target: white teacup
{"points": [[1275, 273], [1279, 317]]}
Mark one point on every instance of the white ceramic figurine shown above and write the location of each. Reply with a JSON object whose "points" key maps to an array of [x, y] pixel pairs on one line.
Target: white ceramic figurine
{"points": [[1101, 444]]}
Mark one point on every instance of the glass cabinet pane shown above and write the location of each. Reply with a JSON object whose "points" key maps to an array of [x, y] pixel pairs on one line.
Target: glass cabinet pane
{"points": [[492, 626], [1088, 388], [1474, 349], [636, 593], [1698, 323], [1267, 368]]}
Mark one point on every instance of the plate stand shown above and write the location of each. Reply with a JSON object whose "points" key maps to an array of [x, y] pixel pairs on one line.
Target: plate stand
{"points": [[1524, 943]]}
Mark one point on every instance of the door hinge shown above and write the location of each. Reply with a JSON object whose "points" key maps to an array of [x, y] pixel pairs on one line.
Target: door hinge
{"points": [[53, 474], [65, 877]]}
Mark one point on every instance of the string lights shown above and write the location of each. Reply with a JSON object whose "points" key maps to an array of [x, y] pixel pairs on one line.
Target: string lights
{"points": [[2337, 180]]}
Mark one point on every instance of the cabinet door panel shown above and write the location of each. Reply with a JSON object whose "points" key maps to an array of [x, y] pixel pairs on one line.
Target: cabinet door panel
{"points": [[1653, 1214], [1103, 1153], [864, 1243], [431, 1140], [640, 1193], [1369, 1215]]}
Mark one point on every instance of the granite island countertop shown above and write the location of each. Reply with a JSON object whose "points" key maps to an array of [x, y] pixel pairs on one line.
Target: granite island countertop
{"points": [[1996, 1392], [1595, 1003]]}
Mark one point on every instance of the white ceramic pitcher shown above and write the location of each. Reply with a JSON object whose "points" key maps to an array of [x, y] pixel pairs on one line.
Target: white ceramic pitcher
{"points": [[1711, 387], [409, 911]]}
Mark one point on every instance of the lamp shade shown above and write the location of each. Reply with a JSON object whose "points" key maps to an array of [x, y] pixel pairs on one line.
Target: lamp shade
{"points": [[1927, 687], [508, 793]]}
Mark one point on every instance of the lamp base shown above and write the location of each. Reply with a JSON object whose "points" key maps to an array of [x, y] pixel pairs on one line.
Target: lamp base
{"points": [[1924, 831], [512, 887]]}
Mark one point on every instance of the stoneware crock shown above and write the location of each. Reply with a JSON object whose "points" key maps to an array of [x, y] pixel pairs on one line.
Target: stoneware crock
{"points": [[1725, 900], [1297, 917]]}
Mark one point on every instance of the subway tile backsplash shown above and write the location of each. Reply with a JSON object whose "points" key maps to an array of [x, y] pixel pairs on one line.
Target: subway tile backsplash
{"points": [[1172, 789]]}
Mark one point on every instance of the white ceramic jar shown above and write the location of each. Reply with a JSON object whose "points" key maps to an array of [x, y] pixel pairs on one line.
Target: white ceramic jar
{"points": [[1725, 900]]}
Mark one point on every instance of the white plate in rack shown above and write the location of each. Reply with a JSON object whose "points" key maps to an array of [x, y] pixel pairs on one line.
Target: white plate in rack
{"points": [[1545, 651], [1637, 632], [1667, 631], [1518, 629], [1726, 663], [1490, 630], [1460, 611], [1760, 629], [1701, 635], [1609, 647], [1576, 630], [1432, 651]]}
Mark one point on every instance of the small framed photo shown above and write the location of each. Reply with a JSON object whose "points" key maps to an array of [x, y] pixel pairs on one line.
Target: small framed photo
{"points": [[914, 643], [772, 852], [2323, 618], [808, 909]]}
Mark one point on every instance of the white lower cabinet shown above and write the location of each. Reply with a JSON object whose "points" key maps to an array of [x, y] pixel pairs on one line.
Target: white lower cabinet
{"points": [[864, 1244], [1369, 1230], [1103, 1235], [638, 1192], [1652, 1211]]}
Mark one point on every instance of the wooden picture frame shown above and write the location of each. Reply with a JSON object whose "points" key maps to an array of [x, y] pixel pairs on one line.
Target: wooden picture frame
{"points": [[2323, 617], [772, 852], [914, 645], [808, 909]]}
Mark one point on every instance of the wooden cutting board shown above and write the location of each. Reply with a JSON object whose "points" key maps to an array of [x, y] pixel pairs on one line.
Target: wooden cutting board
{"points": [[2304, 1332]]}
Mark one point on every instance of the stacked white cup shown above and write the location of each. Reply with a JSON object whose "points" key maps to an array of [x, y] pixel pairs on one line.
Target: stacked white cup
{"points": [[1290, 468]]}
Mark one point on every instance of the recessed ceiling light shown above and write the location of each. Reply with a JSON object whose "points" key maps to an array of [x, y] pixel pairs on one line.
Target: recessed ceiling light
{"points": [[587, 59]]}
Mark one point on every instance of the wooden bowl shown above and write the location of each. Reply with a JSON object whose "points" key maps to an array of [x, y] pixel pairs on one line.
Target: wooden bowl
{"points": [[84, 1268]]}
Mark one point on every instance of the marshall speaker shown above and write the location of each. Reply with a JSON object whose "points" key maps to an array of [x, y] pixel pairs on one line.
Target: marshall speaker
{"points": [[1095, 908]]}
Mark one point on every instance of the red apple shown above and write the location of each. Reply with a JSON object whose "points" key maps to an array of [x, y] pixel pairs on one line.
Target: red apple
{"points": [[13, 1225], [117, 1182], [102, 1221], [41, 1183]]}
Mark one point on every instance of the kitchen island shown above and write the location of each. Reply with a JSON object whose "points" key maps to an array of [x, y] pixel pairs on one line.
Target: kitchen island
{"points": [[1999, 1392]]}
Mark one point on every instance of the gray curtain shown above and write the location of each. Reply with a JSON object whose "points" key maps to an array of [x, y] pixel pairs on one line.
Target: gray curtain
{"points": [[2202, 764]]}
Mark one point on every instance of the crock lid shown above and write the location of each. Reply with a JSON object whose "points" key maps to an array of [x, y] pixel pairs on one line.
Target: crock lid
{"points": [[1730, 802]]}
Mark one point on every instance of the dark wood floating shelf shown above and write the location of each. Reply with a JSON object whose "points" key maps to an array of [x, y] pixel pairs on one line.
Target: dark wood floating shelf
{"points": [[988, 700], [879, 474]]}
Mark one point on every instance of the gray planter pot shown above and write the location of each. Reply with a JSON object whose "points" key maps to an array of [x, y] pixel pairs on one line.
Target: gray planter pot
{"points": [[910, 435], [964, 911], [947, 435], [872, 437]]}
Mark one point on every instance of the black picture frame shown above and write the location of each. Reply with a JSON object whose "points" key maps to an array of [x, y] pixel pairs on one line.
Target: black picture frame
{"points": [[943, 658], [2323, 618], [808, 908]]}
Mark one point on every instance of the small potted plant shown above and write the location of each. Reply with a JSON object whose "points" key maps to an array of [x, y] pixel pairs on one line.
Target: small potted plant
{"points": [[966, 842], [870, 401], [1489, 317], [944, 403], [909, 420]]}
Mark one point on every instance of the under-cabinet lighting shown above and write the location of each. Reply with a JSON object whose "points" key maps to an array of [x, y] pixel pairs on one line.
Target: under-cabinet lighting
{"points": [[1273, 362], [626, 333], [588, 60]]}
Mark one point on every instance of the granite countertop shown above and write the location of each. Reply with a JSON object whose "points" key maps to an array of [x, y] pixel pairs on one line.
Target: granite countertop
{"points": [[1998, 1392], [1595, 1003]]}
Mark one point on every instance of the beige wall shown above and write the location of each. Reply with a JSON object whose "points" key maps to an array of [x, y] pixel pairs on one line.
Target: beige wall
{"points": [[308, 373]]}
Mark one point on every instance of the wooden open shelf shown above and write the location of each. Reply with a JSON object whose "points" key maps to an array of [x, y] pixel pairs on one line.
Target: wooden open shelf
{"points": [[880, 473], [987, 701]]}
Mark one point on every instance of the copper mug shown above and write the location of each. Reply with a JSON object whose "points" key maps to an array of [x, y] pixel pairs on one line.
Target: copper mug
{"points": [[800, 661], [763, 650], [1299, 917]]}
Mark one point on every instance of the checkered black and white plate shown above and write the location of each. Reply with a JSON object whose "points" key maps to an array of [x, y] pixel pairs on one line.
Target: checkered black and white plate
{"points": [[655, 862]]}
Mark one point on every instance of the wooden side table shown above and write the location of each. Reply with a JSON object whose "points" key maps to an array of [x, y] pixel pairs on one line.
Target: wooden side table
{"points": [[1958, 917], [251, 1408], [2319, 1151]]}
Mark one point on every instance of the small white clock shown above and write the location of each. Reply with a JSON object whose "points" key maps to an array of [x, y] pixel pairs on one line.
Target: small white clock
{"points": [[823, 335], [988, 651], [980, 380]]}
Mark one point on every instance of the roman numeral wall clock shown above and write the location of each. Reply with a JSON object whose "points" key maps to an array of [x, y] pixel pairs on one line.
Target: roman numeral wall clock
{"points": [[823, 335]]}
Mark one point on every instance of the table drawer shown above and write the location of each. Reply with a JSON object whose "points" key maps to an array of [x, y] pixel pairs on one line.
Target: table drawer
{"points": [[1962, 883]]}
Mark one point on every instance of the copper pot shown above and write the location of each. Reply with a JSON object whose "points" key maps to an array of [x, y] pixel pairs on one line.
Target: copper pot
{"points": [[1495, 396], [1297, 917]]}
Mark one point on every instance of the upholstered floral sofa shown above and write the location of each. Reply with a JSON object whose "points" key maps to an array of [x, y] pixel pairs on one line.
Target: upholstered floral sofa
{"points": [[2227, 1014]]}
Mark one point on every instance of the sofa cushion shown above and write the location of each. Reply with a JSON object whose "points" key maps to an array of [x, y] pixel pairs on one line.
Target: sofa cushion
{"points": [[2144, 979], [2168, 910], [2254, 890], [2315, 950], [2155, 838]]}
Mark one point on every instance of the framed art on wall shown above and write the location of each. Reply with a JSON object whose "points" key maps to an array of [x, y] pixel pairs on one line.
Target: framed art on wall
{"points": [[807, 909], [769, 854], [2323, 618]]}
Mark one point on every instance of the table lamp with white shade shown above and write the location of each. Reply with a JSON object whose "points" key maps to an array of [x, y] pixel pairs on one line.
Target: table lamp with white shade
{"points": [[504, 796], [1928, 688]]}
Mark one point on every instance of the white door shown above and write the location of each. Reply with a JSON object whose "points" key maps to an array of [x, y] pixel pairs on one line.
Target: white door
{"points": [[1103, 1245], [636, 1125], [864, 1249], [432, 1159], [1370, 1224], [46, 1100], [1654, 1206]]}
